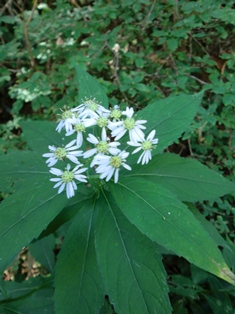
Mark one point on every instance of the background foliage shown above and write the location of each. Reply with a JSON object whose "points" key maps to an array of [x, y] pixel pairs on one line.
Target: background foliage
{"points": [[141, 52]]}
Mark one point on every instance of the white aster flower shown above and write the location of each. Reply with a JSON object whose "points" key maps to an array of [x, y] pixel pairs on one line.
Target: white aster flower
{"points": [[60, 153], [90, 108], [101, 119], [102, 147], [134, 127], [115, 113], [147, 146], [78, 126], [66, 179], [66, 115], [110, 165]]}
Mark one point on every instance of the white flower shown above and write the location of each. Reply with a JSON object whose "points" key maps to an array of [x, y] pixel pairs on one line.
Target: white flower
{"points": [[147, 146], [60, 153], [109, 165], [66, 115], [119, 128], [100, 119], [101, 147], [78, 126], [66, 179], [90, 108], [115, 113]]}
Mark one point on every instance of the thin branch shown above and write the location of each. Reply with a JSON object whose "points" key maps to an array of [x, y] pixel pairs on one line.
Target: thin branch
{"points": [[26, 34], [6, 6], [197, 79], [148, 15]]}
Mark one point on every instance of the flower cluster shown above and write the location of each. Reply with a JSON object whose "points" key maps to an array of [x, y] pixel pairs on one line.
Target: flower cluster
{"points": [[102, 154]]}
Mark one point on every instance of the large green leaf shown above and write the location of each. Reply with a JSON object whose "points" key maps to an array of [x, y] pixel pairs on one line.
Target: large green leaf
{"points": [[157, 213], [88, 87], [170, 117], [78, 283], [131, 268], [40, 134], [25, 214], [187, 178]]}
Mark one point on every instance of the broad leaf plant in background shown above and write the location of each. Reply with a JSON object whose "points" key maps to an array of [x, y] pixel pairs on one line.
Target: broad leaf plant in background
{"points": [[100, 179]]}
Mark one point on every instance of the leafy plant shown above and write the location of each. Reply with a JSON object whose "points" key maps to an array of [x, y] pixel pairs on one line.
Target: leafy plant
{"points": [[115, 231]]}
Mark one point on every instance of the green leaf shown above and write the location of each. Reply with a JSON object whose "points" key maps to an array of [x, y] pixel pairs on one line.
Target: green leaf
{"points": [[25, 214], [187, 178], [77, 280], [170, 117], [42, 251], [8, 19], [40, 134], [184, 287], [157, 213], [82, 194], [30, 296], [88, 87], [20, 168], [131, 268], [172, 44]]}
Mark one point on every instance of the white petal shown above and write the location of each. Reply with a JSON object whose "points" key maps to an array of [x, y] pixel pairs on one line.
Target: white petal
{"points": [[60, 126], [48, 155], [80, 171], [116, 176], [70, 132], [55, 179], [124, 154], [74, 185], [110, 174], [139, 133], [80, 177], [70, 144], [133, 143], [126, 166], [104, 134], [61, 189], [114, 144], [90, 153], [155, 141], [58, 184], [68, 167], [151, 135], [141, 156], [136, 150], [113, 150], [56, 171], [77, 153], [114, 125], [89, 122], [92, 139], [140, 121], [120, 134], [73, 159], [69, 190], [51, 162], [79, 139]]}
